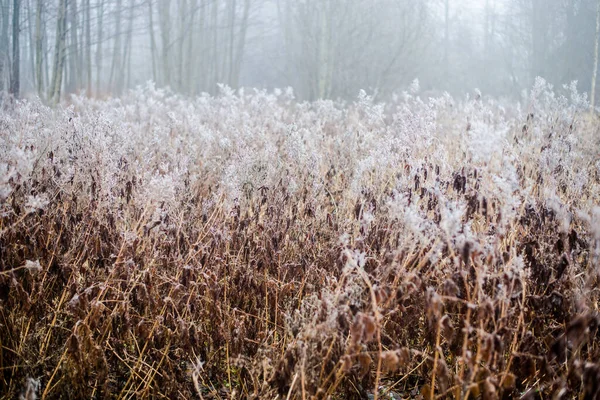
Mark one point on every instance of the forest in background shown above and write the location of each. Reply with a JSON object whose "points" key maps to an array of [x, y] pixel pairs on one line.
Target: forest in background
{"points": [[323, 49]]}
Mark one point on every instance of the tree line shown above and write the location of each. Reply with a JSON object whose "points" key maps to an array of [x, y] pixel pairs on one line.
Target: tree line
{"points": [[322, 48]]}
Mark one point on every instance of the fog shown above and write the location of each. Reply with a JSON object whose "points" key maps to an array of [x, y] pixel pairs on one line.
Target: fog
{"points": [[320, 48]]}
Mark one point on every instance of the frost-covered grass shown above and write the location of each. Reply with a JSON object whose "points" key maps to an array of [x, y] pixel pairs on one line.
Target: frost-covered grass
{"points": [[249, 246]]}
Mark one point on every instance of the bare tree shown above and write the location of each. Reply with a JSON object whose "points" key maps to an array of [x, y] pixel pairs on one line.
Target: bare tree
{"points": [[334, 48], [152, 39], [215, 46], [4, 42], [127, 51], [15, 78], [59, 52], [192, 59], [323, 48], [241, 42], [164, 17], [39, 76], [88, 46], [30, 46], [115, 68], [446, 38], [595, 70], [74, 66], [99, 34]]}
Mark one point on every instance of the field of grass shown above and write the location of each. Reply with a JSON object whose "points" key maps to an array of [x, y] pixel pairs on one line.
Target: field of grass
{"points": [[251, 246]]}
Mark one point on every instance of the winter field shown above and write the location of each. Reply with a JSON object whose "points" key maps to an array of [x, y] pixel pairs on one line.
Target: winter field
{"points": [[251, 246]]}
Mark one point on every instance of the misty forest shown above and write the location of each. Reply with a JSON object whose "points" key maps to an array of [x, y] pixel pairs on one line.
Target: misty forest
{"points": [[299, 199]]}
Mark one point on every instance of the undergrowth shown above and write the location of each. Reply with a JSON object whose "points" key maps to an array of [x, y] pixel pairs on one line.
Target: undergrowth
{"points": [[250, 246]]}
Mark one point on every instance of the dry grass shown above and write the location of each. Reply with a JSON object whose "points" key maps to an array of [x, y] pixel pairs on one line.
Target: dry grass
{"points": [[413, 268]]}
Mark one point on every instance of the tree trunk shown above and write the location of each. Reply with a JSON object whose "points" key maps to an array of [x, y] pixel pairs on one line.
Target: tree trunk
{"points": [[324, 51], [122, 83], [165, 31], [152, 40], [192, 62], [99, 47], [595, 71], [446, 40], [45, 59], [239, 54], [39, 78], [88, 47], [180, 42], [74, 67], [201, 60], [3, 43], [31, 43], [116, 61], [215, 49], [284, 15], [15, 82], [59, 52], [228, 65]]}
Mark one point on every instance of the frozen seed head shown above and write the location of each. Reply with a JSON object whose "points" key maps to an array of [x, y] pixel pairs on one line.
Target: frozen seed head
{"points": [[33, 266]]}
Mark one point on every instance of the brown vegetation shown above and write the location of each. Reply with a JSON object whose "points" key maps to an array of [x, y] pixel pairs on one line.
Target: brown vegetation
{"points": [[303, 293]]}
